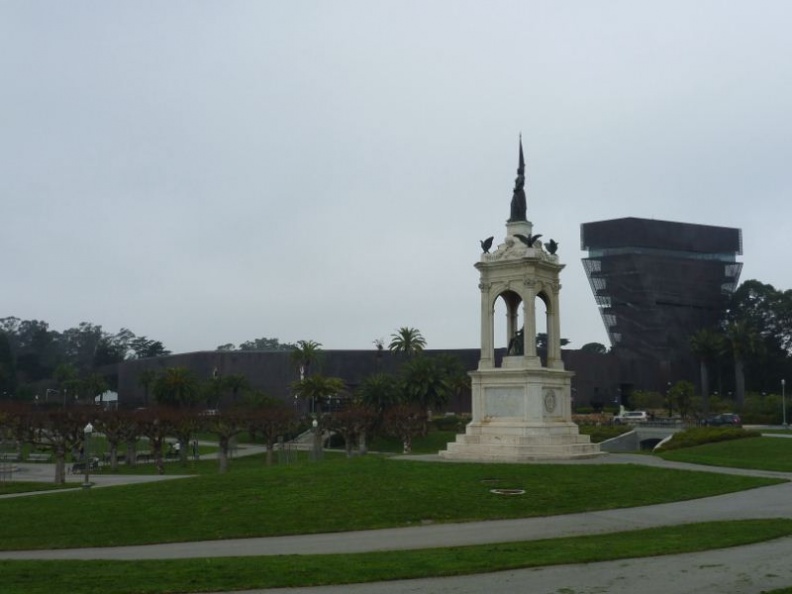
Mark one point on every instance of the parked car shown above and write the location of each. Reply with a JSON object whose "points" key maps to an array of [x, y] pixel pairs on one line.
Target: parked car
{"points": [[724, 419], [631, 416]]}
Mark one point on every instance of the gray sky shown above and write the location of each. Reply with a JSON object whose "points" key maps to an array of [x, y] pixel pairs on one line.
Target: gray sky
{"points": [[212, 172]]}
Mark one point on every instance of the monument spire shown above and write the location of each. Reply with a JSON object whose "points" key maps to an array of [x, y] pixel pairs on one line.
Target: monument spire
{"points": [[518, 202], [521, 166]]}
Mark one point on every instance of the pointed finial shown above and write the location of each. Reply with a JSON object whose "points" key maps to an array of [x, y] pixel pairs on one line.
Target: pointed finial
{"points": [[518, 198], [521, 166]]}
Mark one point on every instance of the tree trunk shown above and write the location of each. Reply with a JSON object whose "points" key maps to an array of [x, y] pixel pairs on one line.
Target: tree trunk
{"points": [[270, 447], [222, 455], [184, 444], [705, 386], [739, 383], [131, 454], [156, 447], [60, 464], [114, 456], [362, 445]]}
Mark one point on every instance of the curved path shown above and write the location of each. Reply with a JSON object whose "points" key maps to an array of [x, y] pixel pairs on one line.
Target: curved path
{"points": [[749, 569]]}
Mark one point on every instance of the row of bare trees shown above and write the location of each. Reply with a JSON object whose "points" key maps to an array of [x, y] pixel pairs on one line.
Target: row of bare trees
{"points": [[61, 431]]}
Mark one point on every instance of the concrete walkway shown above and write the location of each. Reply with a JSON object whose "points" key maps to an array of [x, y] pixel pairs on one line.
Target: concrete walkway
{"points": [[750, 569]]}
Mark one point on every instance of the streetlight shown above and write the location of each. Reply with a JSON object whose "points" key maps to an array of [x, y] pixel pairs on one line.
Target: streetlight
{"points": [[87, 454], [783, 400]]}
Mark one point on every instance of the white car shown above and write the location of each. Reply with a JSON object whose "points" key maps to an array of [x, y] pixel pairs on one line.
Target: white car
{"points": [[631, 416]]}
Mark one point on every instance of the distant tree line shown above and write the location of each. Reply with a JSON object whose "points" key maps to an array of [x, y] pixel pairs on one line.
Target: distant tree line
{"points": [[31, 352], [259, 344], [752, 343]]}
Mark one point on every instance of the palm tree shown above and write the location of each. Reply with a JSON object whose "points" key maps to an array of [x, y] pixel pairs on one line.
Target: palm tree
{"points": [[425, 383], [707, 345], [235, 383], [176, 386], [407, 341], [379, 392], [306, 353], [317, 388], [146, 380]]}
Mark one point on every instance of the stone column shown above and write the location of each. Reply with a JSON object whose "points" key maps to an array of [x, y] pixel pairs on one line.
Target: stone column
{"points": [[486, 360]]}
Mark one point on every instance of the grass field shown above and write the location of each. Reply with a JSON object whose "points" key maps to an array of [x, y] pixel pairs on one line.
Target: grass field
{"points": [[763, 453], [338, 494]]}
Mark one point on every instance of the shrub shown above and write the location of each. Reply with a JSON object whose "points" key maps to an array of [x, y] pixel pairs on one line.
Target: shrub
{"points": [[701, 435]]}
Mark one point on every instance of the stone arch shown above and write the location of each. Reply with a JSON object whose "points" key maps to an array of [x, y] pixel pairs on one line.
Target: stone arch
{"points": [[512, 300]]}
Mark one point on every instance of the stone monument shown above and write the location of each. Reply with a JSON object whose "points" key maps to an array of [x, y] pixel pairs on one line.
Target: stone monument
{"points": [[522, 409]]}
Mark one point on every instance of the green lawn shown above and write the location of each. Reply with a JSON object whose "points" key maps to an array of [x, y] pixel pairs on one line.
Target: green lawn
{"points": [[761, 453], [8, 488], [338, 494], [236, 573], [431, 443]]}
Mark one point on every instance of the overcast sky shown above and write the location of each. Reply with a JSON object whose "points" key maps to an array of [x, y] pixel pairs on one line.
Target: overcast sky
{"points": [[213, 172]]}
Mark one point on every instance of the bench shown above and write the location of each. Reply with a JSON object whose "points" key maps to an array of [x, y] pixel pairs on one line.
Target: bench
{"points": [[79, 467], [9, 456], [39, 457]]}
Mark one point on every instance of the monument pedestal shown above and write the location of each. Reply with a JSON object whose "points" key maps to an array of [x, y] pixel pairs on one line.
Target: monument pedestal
{"points": [[520, 414]]}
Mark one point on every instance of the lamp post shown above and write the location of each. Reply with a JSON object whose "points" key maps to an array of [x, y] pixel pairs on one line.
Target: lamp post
{"points": [[87, 455], [317, 441], [783, 401]]}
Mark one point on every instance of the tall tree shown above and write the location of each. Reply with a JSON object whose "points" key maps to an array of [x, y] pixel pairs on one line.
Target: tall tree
{"points": [[353, 424], [594, 347], [743, 342], [145, 348], [115, 426], [425, 383], [768, 312], [316, 388], [226, 425], [681, 395], [236, 383], [60, 430], [379, 392], [406, 422], [707, 345], [146, 380], [272, 419], [157, 424], [7, 367], [266, 344], [304, 355], [81, 344], [407, 341], [94, 385], [175, 387]]}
